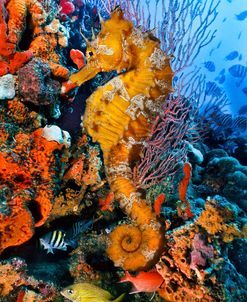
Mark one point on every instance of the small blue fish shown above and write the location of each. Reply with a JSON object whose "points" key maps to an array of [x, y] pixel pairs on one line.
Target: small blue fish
{"points": [[242, 110], [219, 44], [242, 16], [232, 55], [238, 71], [212, 50], [224, 20], [210, 66], [75, 231], [240, 123], [239, 35], [213, 89], [244, 90], [223, 120], [175, 80], [221, 77]]}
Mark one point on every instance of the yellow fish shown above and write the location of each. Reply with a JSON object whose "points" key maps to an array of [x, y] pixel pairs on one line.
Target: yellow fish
{"points": [[86, 292]]}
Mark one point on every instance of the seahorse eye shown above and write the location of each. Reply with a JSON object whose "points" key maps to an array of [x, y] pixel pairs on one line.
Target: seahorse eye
{"points": [[70, 291], [90, 53]]}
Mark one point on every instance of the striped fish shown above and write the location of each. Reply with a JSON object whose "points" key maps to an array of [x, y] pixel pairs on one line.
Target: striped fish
{"points": [[60, 240], [54, 241], [240, 123], [232, 55], [238, 71], [224, 120], [244, 90], [76, 230], [243, 109], [210, 66], [213, 89]]}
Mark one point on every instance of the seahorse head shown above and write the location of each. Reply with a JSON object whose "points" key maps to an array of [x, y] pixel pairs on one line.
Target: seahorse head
{"points": [[109, 50]]}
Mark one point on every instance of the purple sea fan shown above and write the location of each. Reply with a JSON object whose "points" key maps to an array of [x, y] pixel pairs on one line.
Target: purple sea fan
{"points": [[167, 146]]}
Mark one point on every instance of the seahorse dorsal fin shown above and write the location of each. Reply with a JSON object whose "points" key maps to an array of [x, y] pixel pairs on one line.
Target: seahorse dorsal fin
{"points": [[93, 34], [84, 37], [101, 20], [151, 34]]}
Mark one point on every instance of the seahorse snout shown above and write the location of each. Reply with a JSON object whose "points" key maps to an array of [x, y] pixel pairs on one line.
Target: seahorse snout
{"points": [[88, 72]]}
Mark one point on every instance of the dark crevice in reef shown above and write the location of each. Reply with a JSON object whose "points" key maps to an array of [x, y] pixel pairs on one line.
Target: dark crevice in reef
{"points": [[27, 35], [34, 208]]}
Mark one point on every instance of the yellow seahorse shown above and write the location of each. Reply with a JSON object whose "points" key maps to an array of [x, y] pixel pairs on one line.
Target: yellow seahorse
{"points": [[119, 117]]}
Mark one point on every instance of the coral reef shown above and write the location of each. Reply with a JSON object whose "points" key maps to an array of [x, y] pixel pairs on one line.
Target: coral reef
{"points": [[84, 170], [14, 279], [10, 59], [121, 110], [47, 36], [195, 251], [26, 177], [115, 175], [224, 175]]}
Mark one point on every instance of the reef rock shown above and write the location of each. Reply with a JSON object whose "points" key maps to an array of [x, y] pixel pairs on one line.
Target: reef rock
{"points": [[54, 133], [7, 87], [36, 85]]}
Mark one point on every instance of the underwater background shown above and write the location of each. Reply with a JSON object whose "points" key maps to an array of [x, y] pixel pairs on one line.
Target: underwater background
{"points": [[123, 150]]}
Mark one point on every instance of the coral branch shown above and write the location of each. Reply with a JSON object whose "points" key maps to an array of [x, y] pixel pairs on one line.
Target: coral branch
{"points": [[182, 190]]}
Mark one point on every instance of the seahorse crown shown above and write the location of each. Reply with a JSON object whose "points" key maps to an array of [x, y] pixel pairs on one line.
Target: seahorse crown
{"points": [[109, 47]]}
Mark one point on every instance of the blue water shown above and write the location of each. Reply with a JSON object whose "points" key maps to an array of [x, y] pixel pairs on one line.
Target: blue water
{"points": [[231, 35]]}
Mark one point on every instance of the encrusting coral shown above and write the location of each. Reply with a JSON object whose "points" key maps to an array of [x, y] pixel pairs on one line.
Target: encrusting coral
{"points": [[26, 174], [10, 60], [84, 171], [16, 285], [119, 117], [45, 38], [195, 251]]}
